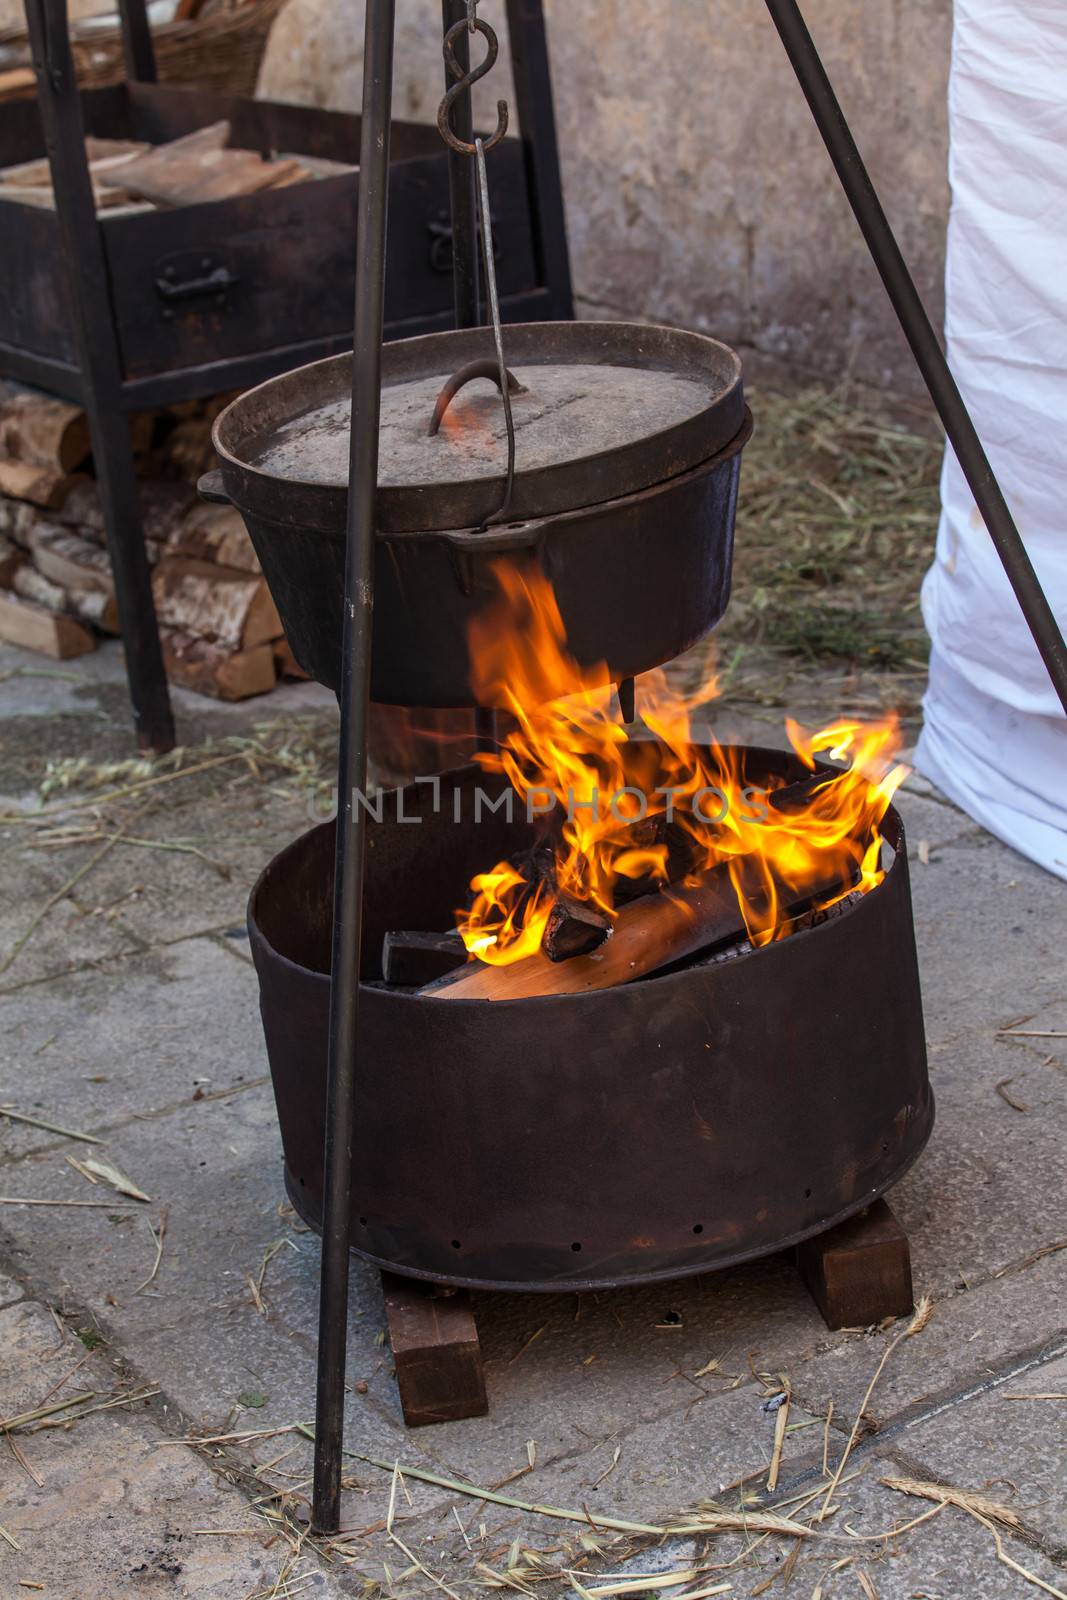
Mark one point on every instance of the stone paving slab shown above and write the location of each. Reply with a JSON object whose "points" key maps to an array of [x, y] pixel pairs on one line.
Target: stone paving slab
{"points": [[931, 822], [122, 1513], [213, 1168], [129, 1035], [35, 1357], [10, 1290], [180, 894], [990, 929], [975, 1338], [988, 1189], [108, 1505], [950, 1557], [1008, 1447], [70, 937]]}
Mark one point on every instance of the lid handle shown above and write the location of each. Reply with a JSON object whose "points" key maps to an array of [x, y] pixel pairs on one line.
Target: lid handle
{"points": [[485, 368]]}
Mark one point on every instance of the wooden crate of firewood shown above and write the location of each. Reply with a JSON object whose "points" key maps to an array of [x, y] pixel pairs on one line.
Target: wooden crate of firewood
{"points": [[219, 628]]}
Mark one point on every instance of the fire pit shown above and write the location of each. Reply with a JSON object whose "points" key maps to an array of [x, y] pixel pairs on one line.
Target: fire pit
{"points": [[681, 1040], [688, 1120]]}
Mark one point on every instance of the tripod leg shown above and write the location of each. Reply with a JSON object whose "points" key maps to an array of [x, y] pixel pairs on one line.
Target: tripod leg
{"points": [[352, 759], [929, 357]]}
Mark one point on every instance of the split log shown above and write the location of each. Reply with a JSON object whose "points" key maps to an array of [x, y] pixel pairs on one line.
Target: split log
{"points": [[574, 928], [70, 560], [228, 607], [17, 83], [35, 427], [28, 480], [211, 669], [285, 663], [438, 1360], [415, 959], [11, 558], [98, 150], [216, 533], [199, 167], [97, 608], [102, 155], [163, 506], [18, 520], [649, 933], [82, 510], [88, 605], [48, 632], [33, 585]]}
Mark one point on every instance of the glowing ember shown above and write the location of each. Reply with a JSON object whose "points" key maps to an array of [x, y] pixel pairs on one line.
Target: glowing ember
{"points": [[606, 798]]}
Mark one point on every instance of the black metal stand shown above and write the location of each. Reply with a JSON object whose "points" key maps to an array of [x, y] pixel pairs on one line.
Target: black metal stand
{"points": [[98, 351], [120, 358], [366, 371]]}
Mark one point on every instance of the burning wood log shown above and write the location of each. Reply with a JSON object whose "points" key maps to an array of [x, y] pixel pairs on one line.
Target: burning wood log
{"points": [[651, 929], [649, 933], [574, 928]]}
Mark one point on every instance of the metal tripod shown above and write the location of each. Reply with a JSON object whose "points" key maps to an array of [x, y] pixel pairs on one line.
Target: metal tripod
{"points": [[352, 760]]}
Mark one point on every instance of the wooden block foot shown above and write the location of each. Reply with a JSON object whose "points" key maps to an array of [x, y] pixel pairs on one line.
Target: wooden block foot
{"points": [[436, 1352], [860, 1271]]}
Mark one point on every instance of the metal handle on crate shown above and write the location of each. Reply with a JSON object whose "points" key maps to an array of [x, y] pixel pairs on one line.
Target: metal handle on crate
{"points": [[218, 281], [485, 367]]}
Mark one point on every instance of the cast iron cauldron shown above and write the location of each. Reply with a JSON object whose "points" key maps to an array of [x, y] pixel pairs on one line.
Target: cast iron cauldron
{"points": [[629, 445], [710, 1114]]}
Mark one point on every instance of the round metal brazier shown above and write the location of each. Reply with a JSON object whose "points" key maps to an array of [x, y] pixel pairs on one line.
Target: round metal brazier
{"points": [[670, 1126]]}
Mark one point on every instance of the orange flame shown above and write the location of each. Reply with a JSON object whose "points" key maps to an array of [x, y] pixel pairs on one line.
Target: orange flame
{"points": [[607, 796]]}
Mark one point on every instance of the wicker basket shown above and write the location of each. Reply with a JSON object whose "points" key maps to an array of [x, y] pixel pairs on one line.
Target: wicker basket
{"points": [[221, 51]]}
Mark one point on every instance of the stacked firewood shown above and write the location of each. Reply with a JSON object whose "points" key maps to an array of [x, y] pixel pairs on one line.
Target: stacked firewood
{"points": [[220, 630], [135, 175]]}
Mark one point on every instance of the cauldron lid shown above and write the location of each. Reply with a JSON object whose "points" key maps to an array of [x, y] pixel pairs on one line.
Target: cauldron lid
{"points": [[607, 409]]}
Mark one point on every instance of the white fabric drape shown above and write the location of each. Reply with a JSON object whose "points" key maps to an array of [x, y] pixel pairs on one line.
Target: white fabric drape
{"points": [[995, 737]]}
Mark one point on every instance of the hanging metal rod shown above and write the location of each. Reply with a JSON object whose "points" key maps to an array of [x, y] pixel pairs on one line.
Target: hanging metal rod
{"points": [[462, 185], [352, 759], [919, 332]]}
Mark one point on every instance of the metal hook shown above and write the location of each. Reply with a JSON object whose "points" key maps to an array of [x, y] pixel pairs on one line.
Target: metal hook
{"points": [[467, 80]]}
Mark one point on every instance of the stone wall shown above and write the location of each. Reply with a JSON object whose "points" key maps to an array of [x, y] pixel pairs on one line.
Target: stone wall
{"points": [[697, 189]]}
